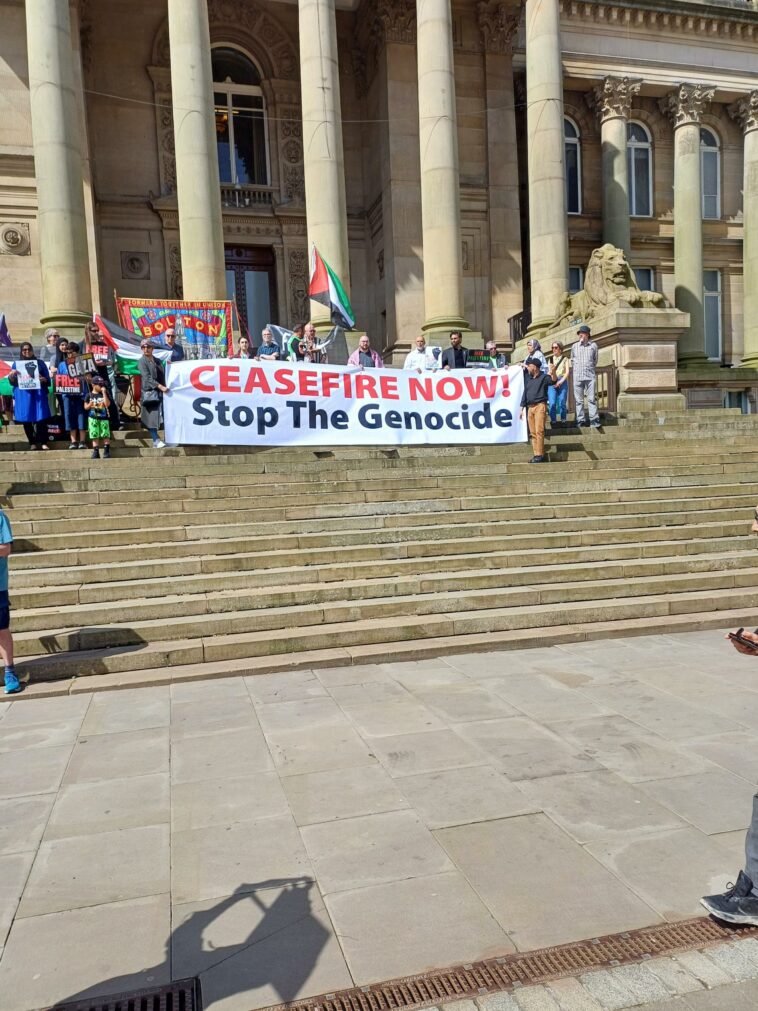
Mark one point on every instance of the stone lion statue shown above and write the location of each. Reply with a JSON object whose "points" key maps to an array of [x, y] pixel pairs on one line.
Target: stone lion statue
{"points": [[609, 284]]}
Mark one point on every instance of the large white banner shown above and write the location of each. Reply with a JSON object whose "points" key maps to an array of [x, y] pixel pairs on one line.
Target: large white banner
{"points": [[239, 402]]}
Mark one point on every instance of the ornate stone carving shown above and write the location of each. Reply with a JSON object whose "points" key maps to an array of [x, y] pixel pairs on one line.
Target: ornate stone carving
{"points": [[396, 20], [15, 239], [609, 284], [498, 23], [297, 269], [176, 285], [745, 111], [380, 264], [291, 152], [687, 104], [248, 25], [135, 266], [613, 98], [379, 22]]}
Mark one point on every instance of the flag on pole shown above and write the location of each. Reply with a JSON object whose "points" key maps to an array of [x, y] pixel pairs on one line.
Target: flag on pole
{"points": [[127, 347], [6, 390], [325, 287], [5, 334]]}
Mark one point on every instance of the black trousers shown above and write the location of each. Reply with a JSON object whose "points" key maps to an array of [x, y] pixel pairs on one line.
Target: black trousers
{"points": [[36, 432]]}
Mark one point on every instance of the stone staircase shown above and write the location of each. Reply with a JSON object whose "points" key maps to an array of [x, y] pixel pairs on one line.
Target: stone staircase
{"points": [[195, 562]]}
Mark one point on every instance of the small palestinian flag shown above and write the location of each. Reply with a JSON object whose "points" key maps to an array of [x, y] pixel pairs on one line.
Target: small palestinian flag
{"points": [[127, 347], [325, 288], [6, 390]]}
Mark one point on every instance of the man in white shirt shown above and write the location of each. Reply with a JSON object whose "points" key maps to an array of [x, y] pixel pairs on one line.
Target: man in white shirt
{"points": [[421, 358]]}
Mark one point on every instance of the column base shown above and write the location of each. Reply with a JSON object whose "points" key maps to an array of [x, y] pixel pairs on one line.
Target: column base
{"points": [[750, 361], [339, 350], [69, 322], [442, 325]]}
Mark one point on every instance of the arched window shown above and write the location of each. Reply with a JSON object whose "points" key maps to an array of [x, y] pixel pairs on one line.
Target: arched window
{"points": [[240, 119], [573, 150], [710, 173], [639, 160]]}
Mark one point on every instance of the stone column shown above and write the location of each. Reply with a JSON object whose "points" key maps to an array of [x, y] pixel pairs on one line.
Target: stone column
{"points": [[745, 111], [440, 192], [198, 188], [548, 226], [56, 131], [499, 24], [685, 106], [612, 101], [324, 164]]}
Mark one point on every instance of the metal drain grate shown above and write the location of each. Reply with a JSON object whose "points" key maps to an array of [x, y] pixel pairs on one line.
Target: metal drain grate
{"points": [[511, 971], [183, 995]]}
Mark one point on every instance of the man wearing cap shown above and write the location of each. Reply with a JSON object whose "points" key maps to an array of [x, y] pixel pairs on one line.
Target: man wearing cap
{"points": [[584, 372]]}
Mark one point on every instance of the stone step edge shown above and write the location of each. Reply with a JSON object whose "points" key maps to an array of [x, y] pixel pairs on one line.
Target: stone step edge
{"points": [[392, 652]]}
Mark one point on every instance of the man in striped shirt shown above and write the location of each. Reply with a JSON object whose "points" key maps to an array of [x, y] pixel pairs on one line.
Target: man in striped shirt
{"points": [[584, 376]]}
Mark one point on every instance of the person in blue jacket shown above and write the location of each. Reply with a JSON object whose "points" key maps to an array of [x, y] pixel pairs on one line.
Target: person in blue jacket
{"points": [[31, 406]]}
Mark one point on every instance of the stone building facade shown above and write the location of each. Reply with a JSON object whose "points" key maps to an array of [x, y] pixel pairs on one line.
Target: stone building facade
{"points": [[455, 163]]}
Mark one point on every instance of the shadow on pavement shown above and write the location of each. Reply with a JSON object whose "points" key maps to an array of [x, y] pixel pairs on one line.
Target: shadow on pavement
{"points": [[259, 957]]}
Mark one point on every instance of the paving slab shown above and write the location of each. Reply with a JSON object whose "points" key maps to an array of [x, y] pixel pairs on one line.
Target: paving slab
{"points": [[40, 771], [94, 951], [288, 686], [342, 793], [410, 754], [711, 801], [195, 719], [209, 756], [385, 928], [524, 749], [22, 822], [95, 869], [738, 997], [118, 756], [84, 809], [465, 703], [14, 870], [670, 870], [297, 752], [369, 850], [219, 860], [40, 735], [457, 796], [509, 861], [56, 710], [309, 713], [117, 711], [542, 698], [387, 719], [199, 691], [737, 753], [227, 801]]}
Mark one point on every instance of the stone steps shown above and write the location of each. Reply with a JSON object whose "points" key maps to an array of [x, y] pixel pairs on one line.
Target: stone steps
{"points": [[180, 564]]}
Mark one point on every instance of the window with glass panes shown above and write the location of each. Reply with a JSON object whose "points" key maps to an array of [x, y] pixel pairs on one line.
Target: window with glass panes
{"points": [[639, 160], [710, 173], [712, 313], [240, 119], [645, 277], [573, 155], [576, 279]]}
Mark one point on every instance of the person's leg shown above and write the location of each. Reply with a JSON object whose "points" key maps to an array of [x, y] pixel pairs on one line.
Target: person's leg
{"points": [[6, 647], [105, 434], [29, 432], [552, 399], [562, 401], [537, 414], [592, 402], [70, 419], [42, 437], [751, 848], [579, 401], [740, 903]]}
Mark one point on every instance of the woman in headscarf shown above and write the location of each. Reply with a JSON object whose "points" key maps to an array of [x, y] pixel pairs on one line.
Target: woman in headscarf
{"points": [[534, 350], [30, 379]]}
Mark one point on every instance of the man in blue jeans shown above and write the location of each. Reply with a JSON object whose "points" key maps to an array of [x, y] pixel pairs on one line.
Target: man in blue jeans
{"points": [[6, 639], [740, 903]]}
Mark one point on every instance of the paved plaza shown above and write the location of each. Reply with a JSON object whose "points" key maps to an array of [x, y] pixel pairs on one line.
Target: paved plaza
{"points": [[291, 834]]}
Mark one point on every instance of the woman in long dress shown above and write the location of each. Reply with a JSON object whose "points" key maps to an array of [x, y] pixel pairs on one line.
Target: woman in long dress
{"points": [[30, 405]]}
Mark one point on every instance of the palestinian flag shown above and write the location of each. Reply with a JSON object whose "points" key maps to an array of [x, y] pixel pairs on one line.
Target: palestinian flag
{"points": [[127, 347], [6, 390], [325, 288]]}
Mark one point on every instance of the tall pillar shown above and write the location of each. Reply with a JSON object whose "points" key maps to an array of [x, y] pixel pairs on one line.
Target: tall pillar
{"points": [[56, 131], [499, 23], [198, 189], [548, 225], [324, 162], [685, 106], [612, 100], [440, 184], [745, 111]]}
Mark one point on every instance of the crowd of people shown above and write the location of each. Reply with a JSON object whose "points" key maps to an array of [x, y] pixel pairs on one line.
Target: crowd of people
{"points": [[49, 384]]}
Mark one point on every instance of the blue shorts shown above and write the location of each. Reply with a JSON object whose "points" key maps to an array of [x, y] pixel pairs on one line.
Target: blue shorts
{"points": [[5, 611]]}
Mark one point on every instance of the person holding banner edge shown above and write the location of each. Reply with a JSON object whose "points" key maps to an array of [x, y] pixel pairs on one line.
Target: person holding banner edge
{"points": [[154, 386], [534, 403]]}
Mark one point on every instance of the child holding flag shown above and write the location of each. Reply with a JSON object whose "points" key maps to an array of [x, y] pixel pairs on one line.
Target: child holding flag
{"points": [[99, 426]]}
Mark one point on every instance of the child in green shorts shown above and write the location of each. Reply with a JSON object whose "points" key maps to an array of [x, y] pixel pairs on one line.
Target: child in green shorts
{"points": [[98, 424]]}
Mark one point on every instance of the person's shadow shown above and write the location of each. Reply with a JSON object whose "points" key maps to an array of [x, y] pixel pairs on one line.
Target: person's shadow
{"points": [[280, 950]]}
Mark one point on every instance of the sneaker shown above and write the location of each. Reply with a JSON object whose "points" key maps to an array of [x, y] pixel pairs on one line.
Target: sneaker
{"points": [[537, 459], [73, 445], [159, 444], [107, 453], [12, 684], [595, 424], [738, 905], [95, 454], [82, 445], [34, 447]]}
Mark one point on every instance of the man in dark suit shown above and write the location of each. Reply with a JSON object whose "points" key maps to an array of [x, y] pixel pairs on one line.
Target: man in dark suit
{"points": [[456, 356]]}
